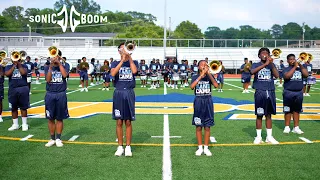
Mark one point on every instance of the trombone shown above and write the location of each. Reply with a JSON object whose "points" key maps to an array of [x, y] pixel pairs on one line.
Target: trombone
{"points": [[54, 51], [304, 57], [15, 56], [214, 67], [275, 54]]}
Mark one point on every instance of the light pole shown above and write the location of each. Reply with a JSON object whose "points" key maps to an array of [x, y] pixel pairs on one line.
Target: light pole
{"points": [[165, 30], [29, 31], [303, 31]]}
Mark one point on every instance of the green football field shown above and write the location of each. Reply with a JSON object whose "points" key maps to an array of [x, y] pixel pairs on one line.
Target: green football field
{"points": [[91, 154]]}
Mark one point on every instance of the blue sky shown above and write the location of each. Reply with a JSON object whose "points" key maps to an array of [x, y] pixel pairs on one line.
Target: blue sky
{"points": [[222, 13]]}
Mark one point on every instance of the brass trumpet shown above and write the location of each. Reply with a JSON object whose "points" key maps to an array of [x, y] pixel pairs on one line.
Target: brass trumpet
{"points": [[303, 57], [54, 51], [3, 58], [276, 53], [15, 56], [214, 67], [129, 46]]}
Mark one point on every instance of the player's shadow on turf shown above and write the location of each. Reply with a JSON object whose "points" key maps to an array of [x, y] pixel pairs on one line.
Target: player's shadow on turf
{"points": [[81, 131], [37, 122], [251, 130], [141, 137], [279, 124]]}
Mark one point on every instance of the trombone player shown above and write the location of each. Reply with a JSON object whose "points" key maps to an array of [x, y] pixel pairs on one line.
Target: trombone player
{"points": [[307, 82], [18, 93], [30, 67]]}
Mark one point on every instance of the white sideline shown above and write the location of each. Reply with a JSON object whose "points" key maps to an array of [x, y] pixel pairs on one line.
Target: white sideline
{"points": [[305, 140], [166, 166], [73, 138], [248, 90]]}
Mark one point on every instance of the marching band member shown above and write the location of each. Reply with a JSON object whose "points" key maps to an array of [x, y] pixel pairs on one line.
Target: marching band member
{"points": [[36, 70], [281, 67], [264, 97], [188, 72], [67, 66], [158, 72], [84, 66], [78, 71], [123, 110], [1, 89], [292, 93], [245, 75], [165, 72], [169, 70], [30, 68], [194, 68], [183, 73], [56, 99], [174, 71], [143, 73], [220, 77], [92, 71], [18, 93], [97, 68], [105, 69], [306, 83], [153, 74], [203, 116]]}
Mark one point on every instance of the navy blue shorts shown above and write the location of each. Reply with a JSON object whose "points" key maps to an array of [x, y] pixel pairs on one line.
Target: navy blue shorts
{"points": [[1, 93], [265, 102], [106, 78], [56, 105], [220, 79], [245, 77], [83, 76], [292, 101], [37, 73], [19, 98], [280, 75], [203, 111], [123, 104]]}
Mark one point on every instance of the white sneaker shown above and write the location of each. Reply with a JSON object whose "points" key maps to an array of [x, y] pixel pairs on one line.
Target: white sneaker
{"points": [[13, 127], [25, 127], [30, 93], [50, 143], [257, 140], [307, 94], [199, 152], [82, 89], [249, 87], [127, 151], [297, 130], [86, 89], [119, 151], [80, 85], [247, 91], [92, 84], [59, 143], [207, 152], [141, 85], [286, 130], [244, 91], [271, 140], [103, 89], [107, 89], [176, 86], [1, 120]]}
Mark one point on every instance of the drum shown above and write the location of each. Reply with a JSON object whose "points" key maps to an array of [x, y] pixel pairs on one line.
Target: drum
{"points": [[154, 77], [175, 77], [183, 76], [159, 76], [311, 80], [143, 77]]}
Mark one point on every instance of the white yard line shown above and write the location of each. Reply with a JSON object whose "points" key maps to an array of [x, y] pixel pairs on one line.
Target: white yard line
{"points": [[248, 90], [27, 137], [166, 166], [305, 140], [163, 137], [73, 138]]}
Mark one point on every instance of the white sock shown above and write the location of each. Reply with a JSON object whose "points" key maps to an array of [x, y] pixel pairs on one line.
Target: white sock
{"points": [[205, 147], [24, 120], [269, 132], [15, 121], [200, 146], [297, 127], [259, 132], [0, 116]]}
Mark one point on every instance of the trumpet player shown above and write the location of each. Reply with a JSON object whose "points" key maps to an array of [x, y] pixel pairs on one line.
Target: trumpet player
{"points": [[220, 77], [30, 68], [292, 93], [56, 99], [84, 66], [306, 82], [18, 93], [264, 97], [36, 70], [245, 75]]}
